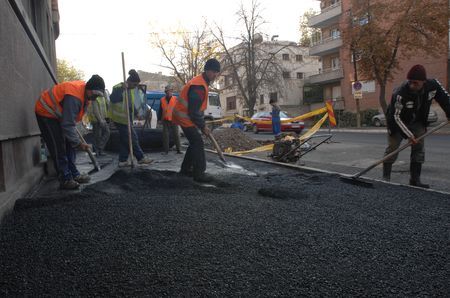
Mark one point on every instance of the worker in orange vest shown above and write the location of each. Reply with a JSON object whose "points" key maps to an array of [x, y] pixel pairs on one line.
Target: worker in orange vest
{"points": [[165, 113], [188, 113], [58, 110]]}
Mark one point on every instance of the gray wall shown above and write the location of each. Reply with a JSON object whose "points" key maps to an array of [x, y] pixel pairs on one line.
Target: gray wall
{"points": [[27, 63]]}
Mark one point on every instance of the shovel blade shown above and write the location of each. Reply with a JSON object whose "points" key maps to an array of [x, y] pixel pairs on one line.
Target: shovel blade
{"points": [[356, 181]]}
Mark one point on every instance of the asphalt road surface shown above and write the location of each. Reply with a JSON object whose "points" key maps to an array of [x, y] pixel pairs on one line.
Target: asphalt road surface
{"points": [[349, 153], [269, 231]]}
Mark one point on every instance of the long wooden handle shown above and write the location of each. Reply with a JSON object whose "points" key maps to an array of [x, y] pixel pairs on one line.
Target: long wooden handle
{"points": [[400, 149], [216, 146], [130, 143], [91, 156]]}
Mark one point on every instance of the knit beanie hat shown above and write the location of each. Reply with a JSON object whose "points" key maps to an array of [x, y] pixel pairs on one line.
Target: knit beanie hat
{"points": [[417, 72], [212, 64], [96, 83], [134, 77]]}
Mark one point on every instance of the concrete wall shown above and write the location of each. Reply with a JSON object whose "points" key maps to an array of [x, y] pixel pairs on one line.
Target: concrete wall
{"points": [[27, 60]]}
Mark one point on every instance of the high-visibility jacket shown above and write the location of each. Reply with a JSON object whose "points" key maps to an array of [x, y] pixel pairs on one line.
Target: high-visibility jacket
{"points": [[49, 103], [103, 109], [167, 108], [119, 110], [181, 111]]}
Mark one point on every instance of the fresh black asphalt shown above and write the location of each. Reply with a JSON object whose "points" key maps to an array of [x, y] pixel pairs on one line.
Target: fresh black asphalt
{"points": [[282, 233]]}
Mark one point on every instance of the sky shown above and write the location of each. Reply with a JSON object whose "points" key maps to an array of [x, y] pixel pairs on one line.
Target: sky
{"points": [[93, 33]]}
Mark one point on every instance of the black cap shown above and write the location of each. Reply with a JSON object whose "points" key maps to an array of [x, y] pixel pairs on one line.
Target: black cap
{"points": [[96, 83], [134, 76], [212, 64]]}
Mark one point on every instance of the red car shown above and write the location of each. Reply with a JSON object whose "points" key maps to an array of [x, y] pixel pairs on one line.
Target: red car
{"points": [[296, 126]]}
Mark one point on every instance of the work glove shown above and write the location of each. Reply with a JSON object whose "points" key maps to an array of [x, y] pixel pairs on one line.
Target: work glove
{"points": [[206, 131], [84, 147]]}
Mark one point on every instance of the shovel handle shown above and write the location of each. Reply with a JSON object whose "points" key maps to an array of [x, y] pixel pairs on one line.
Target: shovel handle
{"points": [[400, 149], [91, 156], [216, 146]]}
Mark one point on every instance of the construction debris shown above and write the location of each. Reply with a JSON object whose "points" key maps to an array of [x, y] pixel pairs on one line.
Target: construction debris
{"points": [[233, 139]]}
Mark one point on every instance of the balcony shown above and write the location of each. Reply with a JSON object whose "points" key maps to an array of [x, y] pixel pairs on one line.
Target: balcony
{"points": [[326, 46], [327, 16], [326, 76]]}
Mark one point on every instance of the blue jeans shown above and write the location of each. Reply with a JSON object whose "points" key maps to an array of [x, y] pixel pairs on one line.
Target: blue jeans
{"points": [[276, 125], [124, 148], [61, 151]]}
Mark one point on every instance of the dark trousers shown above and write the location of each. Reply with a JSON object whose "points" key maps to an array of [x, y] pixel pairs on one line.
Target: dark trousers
{"points": [[61, 152], [417, 151], [194, 159], [276, 125], [101, 136], [124, 148], [170, 128]]}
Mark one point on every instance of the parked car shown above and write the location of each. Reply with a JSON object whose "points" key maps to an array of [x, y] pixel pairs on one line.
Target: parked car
{"points": [[296, 126], [380, 119]]}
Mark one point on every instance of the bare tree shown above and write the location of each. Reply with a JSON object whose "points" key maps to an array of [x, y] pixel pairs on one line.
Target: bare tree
{"points": [[186, 52], [308, 35], [381, 33], [250, 63]]}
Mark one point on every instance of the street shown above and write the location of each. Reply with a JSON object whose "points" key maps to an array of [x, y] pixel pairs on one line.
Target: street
{"points": [[350, 152]]}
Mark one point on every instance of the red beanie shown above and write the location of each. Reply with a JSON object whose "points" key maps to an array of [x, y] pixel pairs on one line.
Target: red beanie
{"points": [[417, 72]]}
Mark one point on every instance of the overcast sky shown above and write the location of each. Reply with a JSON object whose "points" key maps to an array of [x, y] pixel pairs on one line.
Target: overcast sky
{"points": [[95, 32]]}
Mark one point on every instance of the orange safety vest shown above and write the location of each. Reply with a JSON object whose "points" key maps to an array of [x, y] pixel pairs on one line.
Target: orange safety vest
{"points": [[168, 107], [49, 103], [181, 111]]}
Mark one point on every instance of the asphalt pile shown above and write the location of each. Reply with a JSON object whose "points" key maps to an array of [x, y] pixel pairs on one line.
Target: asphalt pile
{"points": [[235, 139], [281, 233]]}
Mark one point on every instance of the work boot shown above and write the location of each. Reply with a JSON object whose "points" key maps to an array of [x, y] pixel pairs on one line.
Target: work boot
{"points": [[145, 160], [69, 184], [82, 178], [179, 152], [187, 173], [204, 178], [123, 164], [387, 168], [415, 169]]}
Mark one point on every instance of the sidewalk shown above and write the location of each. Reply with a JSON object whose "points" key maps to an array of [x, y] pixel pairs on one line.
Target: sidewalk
{"points": [[443, 131]]}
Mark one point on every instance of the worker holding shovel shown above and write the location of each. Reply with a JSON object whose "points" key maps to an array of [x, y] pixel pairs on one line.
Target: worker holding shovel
{"points": [[188, 113], [407, 117], [57, 112]]}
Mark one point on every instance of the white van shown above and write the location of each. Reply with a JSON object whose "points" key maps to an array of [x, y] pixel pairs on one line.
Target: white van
{"points": [[214, 109]]}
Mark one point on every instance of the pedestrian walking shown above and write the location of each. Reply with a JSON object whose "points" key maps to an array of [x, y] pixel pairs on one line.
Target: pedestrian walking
{"points": [[276, 121]]}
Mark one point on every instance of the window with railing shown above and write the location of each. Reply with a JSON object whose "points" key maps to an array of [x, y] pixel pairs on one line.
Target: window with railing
{"points": [[231, 103]]}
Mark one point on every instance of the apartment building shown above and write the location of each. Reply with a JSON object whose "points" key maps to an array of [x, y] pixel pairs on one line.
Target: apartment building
{"points": [[334, 80], [295, 64]]}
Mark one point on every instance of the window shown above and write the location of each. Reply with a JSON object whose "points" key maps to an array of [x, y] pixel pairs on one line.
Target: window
{"points": [[273, 96], [228, 80], [286, 74], [335, 33], [335, 63], [231, 103], [298, 58], [299, 75], [286, 57], [261, 99]]}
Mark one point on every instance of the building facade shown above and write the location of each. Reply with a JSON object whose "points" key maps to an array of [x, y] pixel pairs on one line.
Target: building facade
{"points": [[334, 80], [294, 64], [28, 30]]}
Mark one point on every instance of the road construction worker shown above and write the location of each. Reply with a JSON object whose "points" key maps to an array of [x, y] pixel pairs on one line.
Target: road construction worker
{"points": [[119, 117], [58, 110], [98, 112], [165, 112], [407, 117], [188, 113], [276, 121]]}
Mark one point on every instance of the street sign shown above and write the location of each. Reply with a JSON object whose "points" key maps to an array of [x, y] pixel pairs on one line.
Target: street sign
{"points": [[357, 94], [357, 86]]}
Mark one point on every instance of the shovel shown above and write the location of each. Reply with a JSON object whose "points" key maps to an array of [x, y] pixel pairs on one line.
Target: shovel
{"points": [[220, 153], [358, 181], [91, 156]]}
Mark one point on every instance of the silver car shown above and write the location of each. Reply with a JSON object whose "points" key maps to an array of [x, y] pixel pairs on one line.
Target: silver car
{"points": [[380, 119]]}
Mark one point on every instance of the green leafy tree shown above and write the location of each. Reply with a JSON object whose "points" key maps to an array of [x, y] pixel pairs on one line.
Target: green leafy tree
{"points": [[308, 35], [66, 72]]}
